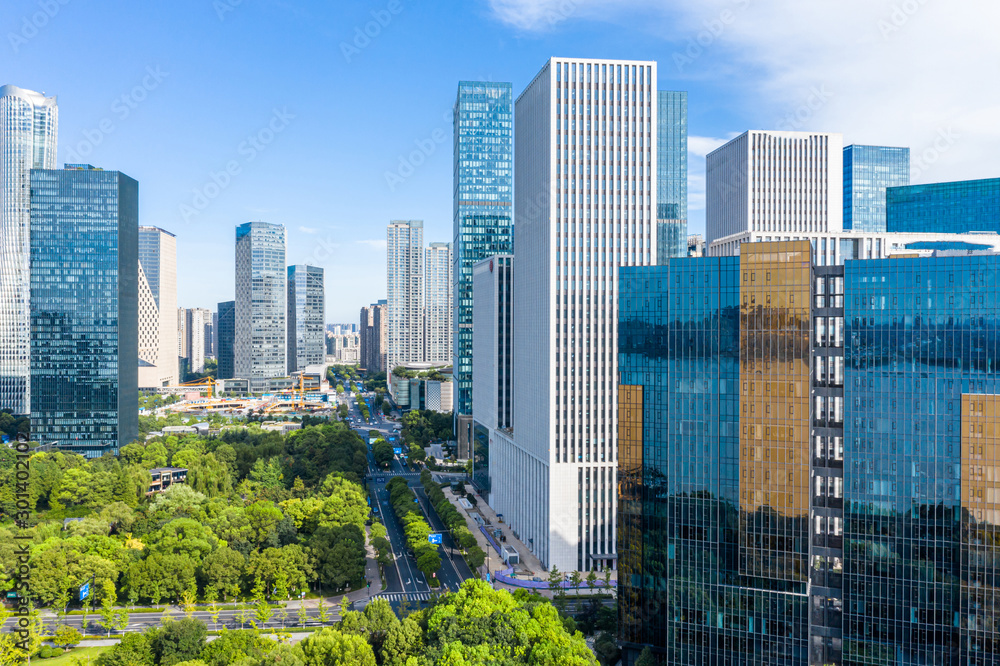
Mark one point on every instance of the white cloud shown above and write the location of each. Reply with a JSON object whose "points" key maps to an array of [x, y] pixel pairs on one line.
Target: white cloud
{"points": [[888, 72], [377, 244], [700, 146], [308, 230]]}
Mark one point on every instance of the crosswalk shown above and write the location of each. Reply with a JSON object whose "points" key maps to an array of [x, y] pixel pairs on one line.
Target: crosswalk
{"points": [[409, 596]]}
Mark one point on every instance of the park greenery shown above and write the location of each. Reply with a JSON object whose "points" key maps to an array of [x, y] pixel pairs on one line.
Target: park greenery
{"points": [[423, 426], [454, 521], [415, 526], [477, 626], [434, 374], [260, 515]]}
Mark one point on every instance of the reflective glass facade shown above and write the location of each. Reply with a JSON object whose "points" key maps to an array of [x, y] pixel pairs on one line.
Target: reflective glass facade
{"points": [[671, 175], [920, 551], [483, 196], [227, 338], [84, 309], [28, 129], [855, 523], [306, 315], [958, 207], [260, 348], [868, 172]]}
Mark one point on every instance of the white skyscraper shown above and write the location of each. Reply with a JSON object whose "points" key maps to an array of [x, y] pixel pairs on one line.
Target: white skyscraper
{"points": [[259, 351], [585, 195], [199, 321], [158, 345], [405, 290], [28, 127], [772, 186], [438, 306]]}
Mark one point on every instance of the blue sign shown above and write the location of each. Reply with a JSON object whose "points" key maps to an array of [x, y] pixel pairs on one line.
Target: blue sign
{"points": [[487, 576], [398, 451], [6, 438], [434, 538], [85, 591]]}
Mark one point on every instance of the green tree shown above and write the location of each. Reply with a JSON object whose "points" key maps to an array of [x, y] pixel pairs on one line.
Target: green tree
{"points": [[188, 598], [402, 641], [232, 647], [575, 579], [262, 609], [108, 599], [66, 637], [607, 650], [592, 579], [429, 562], [182, 640], [330, 647], [647, 658], [133, 650], [222, 571]]}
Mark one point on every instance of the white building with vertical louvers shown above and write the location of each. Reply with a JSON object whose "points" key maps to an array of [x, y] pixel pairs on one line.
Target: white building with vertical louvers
{"points": [[158, 345], [438, 306], [405, 287], [585, 195]]}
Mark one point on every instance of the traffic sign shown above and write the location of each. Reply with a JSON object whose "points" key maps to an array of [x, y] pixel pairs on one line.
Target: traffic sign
{"points": [[85, 591], [397, 451], [434, 538]]}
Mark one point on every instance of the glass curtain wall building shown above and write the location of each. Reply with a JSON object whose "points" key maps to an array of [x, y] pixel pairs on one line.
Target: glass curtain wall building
{"points": [[483, 224], [84, 309], [260, 344], [868, 172], [671, 175], [28, 128], [227, 338], [853, 525], [959, 207], [306, 317]]}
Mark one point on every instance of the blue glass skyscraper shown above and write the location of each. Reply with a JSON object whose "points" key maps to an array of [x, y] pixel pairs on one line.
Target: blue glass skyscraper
{"points": [[483, 224], [84, 308], [868, 171], [954, 208], [671, 175]]}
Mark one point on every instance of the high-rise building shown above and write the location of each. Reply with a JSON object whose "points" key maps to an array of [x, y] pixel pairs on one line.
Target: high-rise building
{"points": [[868, 172], [492, 400], [483, 225], [84, 308], [671, 175], [405, 286], [585, 196], [227, 339], [437, 305], [158, 345], [197, 329], [772, 185], [958, 207], [306, 315], [28, 129], [805, 458], [372, 334], [260, 347]]}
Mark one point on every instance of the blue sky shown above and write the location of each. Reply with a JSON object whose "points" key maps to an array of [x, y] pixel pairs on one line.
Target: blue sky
{"points": [[307, 121]]}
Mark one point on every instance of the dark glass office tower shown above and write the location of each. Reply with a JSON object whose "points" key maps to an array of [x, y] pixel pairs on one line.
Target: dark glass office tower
{"points": [[855, 523], [483, 224], [84, 308], [868, 172], [227, 338], [954, 208], [671, 175]]}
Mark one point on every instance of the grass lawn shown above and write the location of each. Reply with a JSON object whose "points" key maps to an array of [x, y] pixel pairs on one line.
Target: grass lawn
{"points": [[65, 659]]}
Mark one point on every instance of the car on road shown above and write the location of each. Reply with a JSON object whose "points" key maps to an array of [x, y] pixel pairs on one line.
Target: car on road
{"points": [[536, 579]]}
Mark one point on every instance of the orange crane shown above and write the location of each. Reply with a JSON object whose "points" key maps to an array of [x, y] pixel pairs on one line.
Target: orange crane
{"points": [[206, 384]]}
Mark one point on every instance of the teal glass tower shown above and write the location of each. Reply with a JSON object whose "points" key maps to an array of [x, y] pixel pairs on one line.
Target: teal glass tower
{"points": [[868, 172], [956, 208], [84, 309], [483, 224], [227, 339], [671, 175]]}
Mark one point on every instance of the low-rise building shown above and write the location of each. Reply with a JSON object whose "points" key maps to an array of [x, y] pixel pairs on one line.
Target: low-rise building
{"points": [[164, 477]]}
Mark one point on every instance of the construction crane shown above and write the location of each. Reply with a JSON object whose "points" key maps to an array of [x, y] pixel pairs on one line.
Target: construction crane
{"points": [[206, 384]]}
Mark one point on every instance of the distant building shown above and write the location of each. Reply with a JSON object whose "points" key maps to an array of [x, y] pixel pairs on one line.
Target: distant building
{"points": [[84, 309], [164, 477], [373, 331], [260, 351], [696, 245], [958, 207], [157, 308], [483, 213], [671, 174], [422, 386], [227, 338], [868, 172], [344, 348], [197, 329], [306, 312], [405, 285], [437, 309], [28, 130]]}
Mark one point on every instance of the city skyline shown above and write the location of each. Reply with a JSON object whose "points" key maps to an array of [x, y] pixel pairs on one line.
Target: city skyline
{"points": [[737, 77]]}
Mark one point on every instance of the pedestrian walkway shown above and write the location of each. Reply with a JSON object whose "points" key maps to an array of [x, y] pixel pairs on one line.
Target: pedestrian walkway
{"points": [[409, 596]]}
